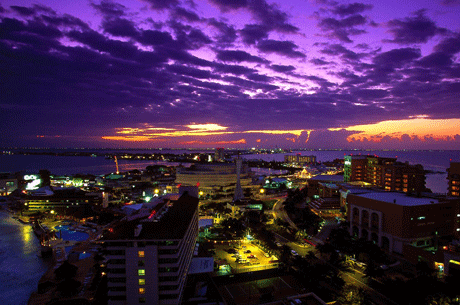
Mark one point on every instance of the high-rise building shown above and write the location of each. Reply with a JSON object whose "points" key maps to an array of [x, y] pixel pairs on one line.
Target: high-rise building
{"points": [[385, 173], [149, 253], [354, 168], [219, 154], [453, 175]]}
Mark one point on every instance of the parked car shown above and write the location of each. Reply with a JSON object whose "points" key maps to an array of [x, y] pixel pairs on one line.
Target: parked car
{"points": [[251, 256], [294, 252], [247, 251]]}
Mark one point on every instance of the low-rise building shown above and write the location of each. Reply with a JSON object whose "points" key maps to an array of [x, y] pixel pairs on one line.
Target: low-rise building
{"points": [[392, 219]]}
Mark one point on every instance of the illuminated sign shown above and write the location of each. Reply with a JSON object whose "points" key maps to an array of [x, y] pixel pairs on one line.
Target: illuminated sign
{"points": [[33, 182], [347, 162]]}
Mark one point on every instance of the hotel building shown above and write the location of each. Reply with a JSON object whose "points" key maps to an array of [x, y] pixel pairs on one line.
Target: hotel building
{"points": [[298, 158], [453, 175], [149, 253], [385, 173]]}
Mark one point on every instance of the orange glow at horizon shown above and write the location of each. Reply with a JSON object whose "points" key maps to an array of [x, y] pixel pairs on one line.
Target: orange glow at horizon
{"points": [[241, 141], [148, 132], [416, 128]]}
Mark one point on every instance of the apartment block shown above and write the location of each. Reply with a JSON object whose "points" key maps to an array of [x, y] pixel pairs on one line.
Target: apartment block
{"points": [[149, 253]]}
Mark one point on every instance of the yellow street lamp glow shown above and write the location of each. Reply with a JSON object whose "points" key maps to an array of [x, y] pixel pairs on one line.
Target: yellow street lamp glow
{"points": [[262, 191], [157, 191], [201, 193], [52, 211]]}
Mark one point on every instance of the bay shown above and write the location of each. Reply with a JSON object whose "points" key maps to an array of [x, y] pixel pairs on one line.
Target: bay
{"points": [[20, 266]]}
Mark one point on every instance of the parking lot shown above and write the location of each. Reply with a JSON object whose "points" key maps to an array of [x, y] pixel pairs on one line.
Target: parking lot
{"points": [[243, 256]]}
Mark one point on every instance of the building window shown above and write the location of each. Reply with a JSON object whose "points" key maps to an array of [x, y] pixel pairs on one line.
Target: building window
{"points": [[141, 253], [141, 300], [141, 281], [141, 272], [140, 263], [141, 290]]}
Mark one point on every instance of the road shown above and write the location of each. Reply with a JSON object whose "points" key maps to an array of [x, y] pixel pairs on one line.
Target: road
{"points": [[279, 212]]}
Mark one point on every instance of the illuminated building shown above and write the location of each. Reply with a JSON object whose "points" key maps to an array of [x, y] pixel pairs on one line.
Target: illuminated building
{"points": [[45, 199], [354, 168], [453, 175], [8, 184], [219, 154], [149, 253], [217, 179], [298, 158], [392, 219], [385, 173]]}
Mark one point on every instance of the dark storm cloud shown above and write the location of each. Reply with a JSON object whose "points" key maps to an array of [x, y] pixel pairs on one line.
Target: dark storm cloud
{"points": [[268, 15], [350, 9], [435, 60], [396, 58], [119, 27], [319, 62], [24, 11], [249, 84], [285, 48], [251, 33], [342, 29], [182, 13], [109, 8], [162, 4], [188, 37], [227, 33], [417, 29], [449, 45], [99, 42], [154, 37], [237, 56], [190, 71], [344, 53], [281, 68], [226, 5], [233, 69], [259, 78]]}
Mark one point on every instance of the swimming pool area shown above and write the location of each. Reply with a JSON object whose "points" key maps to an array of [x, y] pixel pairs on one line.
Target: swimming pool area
{"points": [[64, 232]]}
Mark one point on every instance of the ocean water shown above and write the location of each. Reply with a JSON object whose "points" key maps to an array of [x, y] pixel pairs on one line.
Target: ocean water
{"points": [[21, 267]]}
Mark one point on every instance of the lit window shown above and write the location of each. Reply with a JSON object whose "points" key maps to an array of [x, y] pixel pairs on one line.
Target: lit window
{"points": [[141, 271], [141, 290], [141, 281], [141, 253]]}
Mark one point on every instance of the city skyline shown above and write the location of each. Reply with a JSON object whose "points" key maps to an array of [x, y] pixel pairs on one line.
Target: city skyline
{"points": [[247, 73]]}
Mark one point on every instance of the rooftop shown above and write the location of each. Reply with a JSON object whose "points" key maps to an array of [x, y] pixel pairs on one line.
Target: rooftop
{"points": [[336, 178], [172, 225], [399, 198]]}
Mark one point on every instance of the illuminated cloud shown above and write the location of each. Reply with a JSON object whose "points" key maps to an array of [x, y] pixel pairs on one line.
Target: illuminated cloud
{"points": [[417, 128]]}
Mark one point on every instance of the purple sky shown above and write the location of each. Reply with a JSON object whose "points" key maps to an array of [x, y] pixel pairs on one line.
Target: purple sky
{"points": [[230, 73]]}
